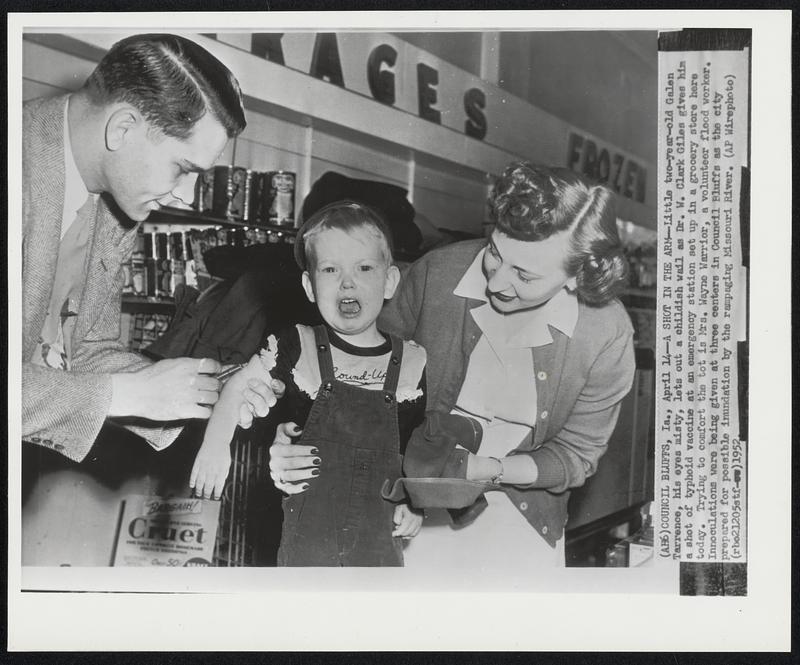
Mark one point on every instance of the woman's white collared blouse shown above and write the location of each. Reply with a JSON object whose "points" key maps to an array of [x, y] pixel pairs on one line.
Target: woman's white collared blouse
{"points": [[501, 378]]}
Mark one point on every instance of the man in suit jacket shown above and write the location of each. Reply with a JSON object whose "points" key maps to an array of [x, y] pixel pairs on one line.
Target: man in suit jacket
{"points": [[157, 110]]}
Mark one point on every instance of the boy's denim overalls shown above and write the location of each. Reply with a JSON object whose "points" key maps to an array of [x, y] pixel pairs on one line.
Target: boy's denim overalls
{"points": [[342, 520]]}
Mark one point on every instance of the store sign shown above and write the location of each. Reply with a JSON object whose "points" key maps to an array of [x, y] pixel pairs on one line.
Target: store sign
{"points": [[607, 165], [391, 71], [385, 68]]}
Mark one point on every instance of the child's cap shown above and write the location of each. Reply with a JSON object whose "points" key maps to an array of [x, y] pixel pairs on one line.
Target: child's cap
{"points": [[349, 214]]}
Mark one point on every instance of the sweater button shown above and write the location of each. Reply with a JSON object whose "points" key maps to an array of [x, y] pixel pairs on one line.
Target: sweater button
{"points": [[322, 348], [523, 505], [542, 376], [544, 530], [544, 415], [387, 398], [395, 361]]}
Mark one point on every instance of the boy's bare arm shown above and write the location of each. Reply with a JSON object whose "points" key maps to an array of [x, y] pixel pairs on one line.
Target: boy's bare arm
{"points": [[212, 464]]}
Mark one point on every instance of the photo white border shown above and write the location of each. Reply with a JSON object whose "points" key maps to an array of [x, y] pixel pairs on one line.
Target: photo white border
{"points": [[291, 619]]}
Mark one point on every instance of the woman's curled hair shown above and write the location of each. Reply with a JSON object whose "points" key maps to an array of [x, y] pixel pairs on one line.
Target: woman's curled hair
{"points": [[531, 202]]}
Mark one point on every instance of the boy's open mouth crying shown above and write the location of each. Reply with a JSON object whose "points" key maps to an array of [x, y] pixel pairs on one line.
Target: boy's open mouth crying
{"points": [[349, 306]]}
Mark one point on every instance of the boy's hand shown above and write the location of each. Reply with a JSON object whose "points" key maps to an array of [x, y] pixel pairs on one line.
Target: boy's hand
{"points": [[407, 521], [210, 470]]}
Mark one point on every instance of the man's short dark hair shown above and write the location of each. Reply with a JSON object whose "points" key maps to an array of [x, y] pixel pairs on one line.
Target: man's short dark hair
{"points": [[171, 80]]}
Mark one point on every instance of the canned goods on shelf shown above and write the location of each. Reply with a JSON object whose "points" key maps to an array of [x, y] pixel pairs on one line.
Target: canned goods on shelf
{"points": [[278, 197], [241, 194]]}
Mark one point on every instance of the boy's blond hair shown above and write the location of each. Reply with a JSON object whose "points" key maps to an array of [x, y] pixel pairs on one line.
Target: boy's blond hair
{"points": [[346, 216]]}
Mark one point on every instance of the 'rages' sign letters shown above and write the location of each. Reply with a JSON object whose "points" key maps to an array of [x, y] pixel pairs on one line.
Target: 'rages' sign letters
{"points": [[389, 77]]}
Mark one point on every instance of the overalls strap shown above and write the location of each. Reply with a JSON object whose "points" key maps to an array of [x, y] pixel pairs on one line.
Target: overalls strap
{"points": [[324, 355], [395, 362]]}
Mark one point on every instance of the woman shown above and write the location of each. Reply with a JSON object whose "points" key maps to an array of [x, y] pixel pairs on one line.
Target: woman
{"points": [[525, 335]]}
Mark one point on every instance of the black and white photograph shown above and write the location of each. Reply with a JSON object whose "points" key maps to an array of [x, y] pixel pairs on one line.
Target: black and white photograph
{"points": [[376, 315]]}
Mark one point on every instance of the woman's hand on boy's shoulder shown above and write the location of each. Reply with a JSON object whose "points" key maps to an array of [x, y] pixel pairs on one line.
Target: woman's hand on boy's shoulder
{"points": [[292, 465]]}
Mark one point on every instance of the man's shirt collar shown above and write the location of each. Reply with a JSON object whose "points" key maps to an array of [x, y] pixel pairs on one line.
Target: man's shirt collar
{"points": [[75, 192]]}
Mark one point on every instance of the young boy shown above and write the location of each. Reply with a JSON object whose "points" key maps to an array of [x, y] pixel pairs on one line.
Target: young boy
{"points": [[356, 393]]}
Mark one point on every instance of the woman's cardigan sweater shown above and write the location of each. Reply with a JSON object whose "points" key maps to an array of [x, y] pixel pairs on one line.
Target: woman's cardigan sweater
{"points": [[580, 381]]}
